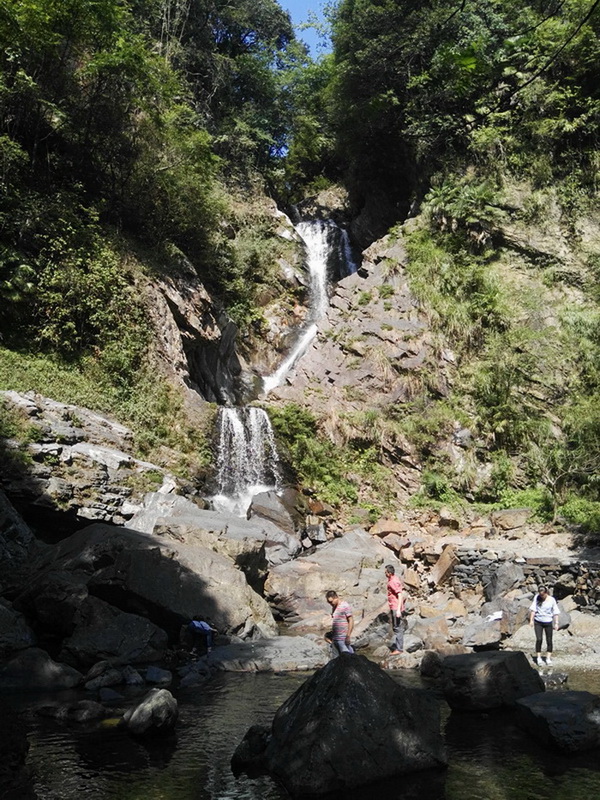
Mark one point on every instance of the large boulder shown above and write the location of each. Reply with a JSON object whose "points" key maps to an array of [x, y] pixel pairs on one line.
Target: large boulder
{"points": [[352, 565], [33, 669], [569, 720], [433, 632], [488, 680], [164, 580], [508, 519], [247, 553], [53, 600], [104, 632], [267, 505], [156, 715], [482, 634], [503, 579], [351, 724]]}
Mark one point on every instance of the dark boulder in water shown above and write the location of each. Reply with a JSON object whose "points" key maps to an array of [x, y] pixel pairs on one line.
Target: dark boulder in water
{"points": [[351, 724], [567, 720], [488, 680], [250, 754]]}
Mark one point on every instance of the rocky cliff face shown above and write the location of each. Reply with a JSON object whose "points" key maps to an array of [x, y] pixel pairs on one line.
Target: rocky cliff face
{"points": [[199, 346], [393, 354]]}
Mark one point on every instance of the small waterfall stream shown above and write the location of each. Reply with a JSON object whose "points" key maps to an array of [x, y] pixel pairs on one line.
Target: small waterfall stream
{"points": [[322, 238], [247, 460]]}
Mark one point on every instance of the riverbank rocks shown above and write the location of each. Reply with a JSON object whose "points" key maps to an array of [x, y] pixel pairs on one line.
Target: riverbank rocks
{"points": [[488, 680], [568, 720], [33, 669], [163, 580], [81, 467], [156, 715], [503, 579], [350, 724], [17, 543], [81, 712], [15, 634]]}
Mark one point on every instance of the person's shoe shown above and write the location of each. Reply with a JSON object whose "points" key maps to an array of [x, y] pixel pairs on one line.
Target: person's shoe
{"points": [[535, 660], [548, 661]]}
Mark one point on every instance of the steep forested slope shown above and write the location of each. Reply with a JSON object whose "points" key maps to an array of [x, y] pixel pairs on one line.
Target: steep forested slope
{"points": [[141, 139], [133, 136]]}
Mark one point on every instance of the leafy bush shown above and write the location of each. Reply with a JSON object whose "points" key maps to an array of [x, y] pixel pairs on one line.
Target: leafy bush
{"points": [[316, 461], [583, 512]]}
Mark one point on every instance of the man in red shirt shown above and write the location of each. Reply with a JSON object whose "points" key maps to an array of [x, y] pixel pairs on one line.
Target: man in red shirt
{"points": [[395, 593]]}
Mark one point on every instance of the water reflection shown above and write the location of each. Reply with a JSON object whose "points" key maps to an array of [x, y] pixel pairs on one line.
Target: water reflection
{"points": [[490, 758]]}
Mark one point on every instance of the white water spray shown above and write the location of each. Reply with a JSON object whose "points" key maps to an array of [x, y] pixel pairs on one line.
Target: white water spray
{"points": [[247, 460]]}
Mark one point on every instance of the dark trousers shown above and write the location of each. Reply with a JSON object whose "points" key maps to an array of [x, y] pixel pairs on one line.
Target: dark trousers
{"points": [[398, 626], [540, 629]]}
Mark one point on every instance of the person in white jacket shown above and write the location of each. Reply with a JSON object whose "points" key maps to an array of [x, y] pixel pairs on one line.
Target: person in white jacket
{"points": [[543, 617]]}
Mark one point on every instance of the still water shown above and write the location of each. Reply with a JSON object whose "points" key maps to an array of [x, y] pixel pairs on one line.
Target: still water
{"points": [[490, 759]]}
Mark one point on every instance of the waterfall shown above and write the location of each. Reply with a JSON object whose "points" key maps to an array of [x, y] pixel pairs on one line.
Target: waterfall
{"points": [[247, 459], [323, 240], [317, 236], [347, 251]]}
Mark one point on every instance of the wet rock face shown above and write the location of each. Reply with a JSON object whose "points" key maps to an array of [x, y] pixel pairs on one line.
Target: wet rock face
{"points": [[483, 681], [350, 724], [195, 341]]}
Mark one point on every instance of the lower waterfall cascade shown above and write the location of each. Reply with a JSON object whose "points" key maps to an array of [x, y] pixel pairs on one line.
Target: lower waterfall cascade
{"points": [[247, 459]]}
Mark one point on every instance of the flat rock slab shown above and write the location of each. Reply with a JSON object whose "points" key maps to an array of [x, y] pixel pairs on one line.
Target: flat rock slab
{"points": [[569, 720], [488, 680], [280, 654], [351, 724]]}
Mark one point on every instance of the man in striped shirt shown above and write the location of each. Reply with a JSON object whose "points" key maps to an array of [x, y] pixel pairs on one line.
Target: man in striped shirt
{"points": [[342, 623]]}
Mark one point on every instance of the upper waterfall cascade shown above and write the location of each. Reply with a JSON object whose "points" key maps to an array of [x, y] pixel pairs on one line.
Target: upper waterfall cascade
{"points": [[247, 459], [324, 242]]}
